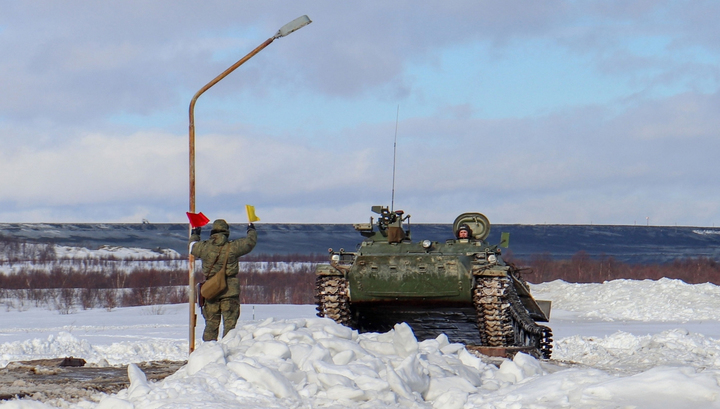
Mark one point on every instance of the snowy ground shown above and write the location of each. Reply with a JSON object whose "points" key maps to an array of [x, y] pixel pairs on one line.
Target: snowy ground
{"points": [[621, 344]]}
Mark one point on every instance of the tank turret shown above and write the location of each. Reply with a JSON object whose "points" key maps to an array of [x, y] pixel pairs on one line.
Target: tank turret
{"points": [[389, 226]]}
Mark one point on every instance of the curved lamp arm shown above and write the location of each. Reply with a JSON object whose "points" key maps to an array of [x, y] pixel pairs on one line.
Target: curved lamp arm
{"points": [[288, 28]]}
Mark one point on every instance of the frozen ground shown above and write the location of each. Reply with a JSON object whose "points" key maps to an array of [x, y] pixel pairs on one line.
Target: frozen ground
{"points": [[621, 344]]}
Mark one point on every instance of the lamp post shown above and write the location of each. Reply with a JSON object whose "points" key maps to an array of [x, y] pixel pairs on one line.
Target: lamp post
{"points": [[288, 28]]}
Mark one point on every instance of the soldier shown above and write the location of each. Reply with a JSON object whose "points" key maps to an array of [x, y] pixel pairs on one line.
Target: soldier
{"points": [[213, 252], [464, 232]]}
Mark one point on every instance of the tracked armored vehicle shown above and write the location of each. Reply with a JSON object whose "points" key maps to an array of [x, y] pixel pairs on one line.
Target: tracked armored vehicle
{"points": [[460, 287]]}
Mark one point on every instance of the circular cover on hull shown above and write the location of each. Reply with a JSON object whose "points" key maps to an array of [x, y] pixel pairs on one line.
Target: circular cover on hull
{"points": [[478, 223]]}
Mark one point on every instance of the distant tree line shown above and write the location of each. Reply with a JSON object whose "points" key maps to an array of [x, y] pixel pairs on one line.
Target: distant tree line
{"points": [[13, 250], [99, 283], [68, 290], [581, 268], [286, 258]]}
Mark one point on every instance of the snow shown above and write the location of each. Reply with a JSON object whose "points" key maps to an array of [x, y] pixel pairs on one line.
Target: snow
{"points": [[119, 258], [619, 344], [638, 300], [123, 253]]}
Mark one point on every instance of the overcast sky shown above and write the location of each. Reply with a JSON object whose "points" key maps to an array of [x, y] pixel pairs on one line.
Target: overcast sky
{"points": [[570, 112]]}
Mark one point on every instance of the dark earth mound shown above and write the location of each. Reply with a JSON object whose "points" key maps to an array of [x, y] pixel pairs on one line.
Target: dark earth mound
{"points": [[45, 379]]}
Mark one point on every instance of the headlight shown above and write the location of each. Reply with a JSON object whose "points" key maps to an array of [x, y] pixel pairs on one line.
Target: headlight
{"points": [[426, 244], [335, 257], [492, 258]]}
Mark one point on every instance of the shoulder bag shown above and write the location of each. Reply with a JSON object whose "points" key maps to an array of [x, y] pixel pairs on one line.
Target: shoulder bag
{"points": [[216, 284]]}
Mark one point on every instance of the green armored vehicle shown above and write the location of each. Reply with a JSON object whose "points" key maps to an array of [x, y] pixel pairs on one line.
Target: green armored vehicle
{"points": [[460, 287]]}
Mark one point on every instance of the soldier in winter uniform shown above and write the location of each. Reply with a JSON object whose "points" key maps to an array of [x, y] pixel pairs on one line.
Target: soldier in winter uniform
{"points": [[212, 252]]}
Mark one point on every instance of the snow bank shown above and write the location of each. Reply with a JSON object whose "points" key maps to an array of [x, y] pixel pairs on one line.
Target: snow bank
{"points": [[626, 353], [65, 344], [318, 363], [661, 300], [304, 362]]}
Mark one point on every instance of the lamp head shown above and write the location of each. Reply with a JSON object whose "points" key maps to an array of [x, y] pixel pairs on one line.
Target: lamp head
{"points": [[294, 25]]}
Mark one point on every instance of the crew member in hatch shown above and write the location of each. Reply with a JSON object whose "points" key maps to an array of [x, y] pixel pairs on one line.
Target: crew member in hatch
{"points": [[464, 232]]}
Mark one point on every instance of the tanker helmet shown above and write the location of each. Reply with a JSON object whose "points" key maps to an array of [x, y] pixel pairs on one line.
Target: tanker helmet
{"points": [[464, 228]]}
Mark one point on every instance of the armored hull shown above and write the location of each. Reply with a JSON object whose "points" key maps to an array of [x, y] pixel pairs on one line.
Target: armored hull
{"points": [[460, 287]]}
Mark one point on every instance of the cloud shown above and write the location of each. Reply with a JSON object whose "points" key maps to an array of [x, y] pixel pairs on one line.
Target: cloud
{"points": [[95, 169], [84, 62], [562, 167], [94, 116], [80, 61], [684, 118]]}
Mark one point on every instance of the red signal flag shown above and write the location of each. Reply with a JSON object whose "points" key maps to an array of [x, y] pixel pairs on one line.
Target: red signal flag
{"points": [[197, 219]]}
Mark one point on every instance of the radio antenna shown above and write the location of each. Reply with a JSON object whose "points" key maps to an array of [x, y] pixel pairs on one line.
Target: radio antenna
{"points": [[392, 201]]}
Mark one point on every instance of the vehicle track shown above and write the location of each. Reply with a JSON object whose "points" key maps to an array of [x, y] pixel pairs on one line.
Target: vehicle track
{"points": [[497, 318]]}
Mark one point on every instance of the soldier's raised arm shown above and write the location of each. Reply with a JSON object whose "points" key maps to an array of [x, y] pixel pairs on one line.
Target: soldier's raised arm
{"points": [[246, 244], [194, 239]]}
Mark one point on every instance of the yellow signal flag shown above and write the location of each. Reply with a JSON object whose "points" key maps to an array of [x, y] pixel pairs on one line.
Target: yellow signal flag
{"points": [[251, 214], [505, 240]]}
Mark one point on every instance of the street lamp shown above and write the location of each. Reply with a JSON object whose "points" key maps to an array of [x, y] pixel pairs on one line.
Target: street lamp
{"points": [[288, 28]]}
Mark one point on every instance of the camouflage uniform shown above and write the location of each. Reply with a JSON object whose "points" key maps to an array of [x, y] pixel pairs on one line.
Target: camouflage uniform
{"points": [[227, 304]]}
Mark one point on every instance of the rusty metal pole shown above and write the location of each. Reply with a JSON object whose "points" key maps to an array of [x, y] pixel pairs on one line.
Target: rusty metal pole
{"points": [[284, 30], [191, 259]]}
